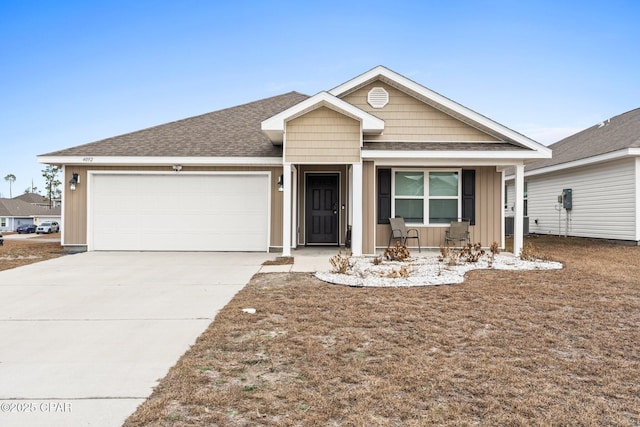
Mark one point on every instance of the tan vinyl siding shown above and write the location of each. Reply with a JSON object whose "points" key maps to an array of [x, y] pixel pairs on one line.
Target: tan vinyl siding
{"points": [[322, 135], [369, 195], [409, 119], [488, 206], [488, 215], [75, 207]]}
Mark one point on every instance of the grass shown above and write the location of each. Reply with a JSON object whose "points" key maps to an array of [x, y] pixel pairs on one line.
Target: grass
{"points": [[504, 348], [16, 253]]}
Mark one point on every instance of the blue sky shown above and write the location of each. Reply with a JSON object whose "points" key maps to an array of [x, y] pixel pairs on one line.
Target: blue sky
{"points": [[74, 72]]}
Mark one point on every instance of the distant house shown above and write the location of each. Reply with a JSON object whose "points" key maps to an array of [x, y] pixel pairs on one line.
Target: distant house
{"points": [[591, 186], [15, 212], [39, 200], [296, 170]]}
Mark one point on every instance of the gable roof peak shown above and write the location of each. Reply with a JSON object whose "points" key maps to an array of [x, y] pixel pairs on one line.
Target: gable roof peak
{"points": [[274, 126], [441, 103]]}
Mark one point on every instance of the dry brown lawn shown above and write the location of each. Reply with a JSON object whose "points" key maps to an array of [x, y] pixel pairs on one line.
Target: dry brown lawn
{"points": [[16, 253], [503, 348]]}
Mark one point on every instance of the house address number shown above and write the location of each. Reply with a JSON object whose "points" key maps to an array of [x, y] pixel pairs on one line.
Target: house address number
{"points": [[87, 159]]}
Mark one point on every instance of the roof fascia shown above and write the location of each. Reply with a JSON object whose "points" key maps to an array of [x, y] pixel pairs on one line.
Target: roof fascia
{"points": [[627, 152], [155, 161], [274, 126], [433, 162], [615, 155], [446, 104], [502, 155]]}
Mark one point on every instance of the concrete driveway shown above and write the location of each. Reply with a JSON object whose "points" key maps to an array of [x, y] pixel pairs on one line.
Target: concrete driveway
{"points": [[84, 338]]}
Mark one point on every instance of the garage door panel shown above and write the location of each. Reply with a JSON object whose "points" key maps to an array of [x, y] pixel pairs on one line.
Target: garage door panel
{"points": [[180, 212]]}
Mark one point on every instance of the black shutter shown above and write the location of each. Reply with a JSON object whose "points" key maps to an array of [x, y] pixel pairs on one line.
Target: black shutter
{"points": [[469, 196], [384, 196]]}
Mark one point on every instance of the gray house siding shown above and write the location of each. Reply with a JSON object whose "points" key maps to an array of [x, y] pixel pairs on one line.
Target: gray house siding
{"points": [[604, 201]]}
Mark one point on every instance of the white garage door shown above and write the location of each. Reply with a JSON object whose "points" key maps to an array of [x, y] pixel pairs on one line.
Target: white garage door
{"points": [[179, 212]]}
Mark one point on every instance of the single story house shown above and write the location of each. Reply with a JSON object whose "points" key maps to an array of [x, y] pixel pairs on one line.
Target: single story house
{"points": [[296, 170], [591, 186], [16, 212], [40, 200]]}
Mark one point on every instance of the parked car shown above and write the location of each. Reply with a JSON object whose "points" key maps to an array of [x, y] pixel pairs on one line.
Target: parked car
{"points": [[48, 227], [1, 240], [26, 228]]}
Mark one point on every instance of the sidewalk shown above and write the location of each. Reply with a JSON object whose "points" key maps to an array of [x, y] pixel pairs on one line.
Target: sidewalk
{"points": [[305, 260]]}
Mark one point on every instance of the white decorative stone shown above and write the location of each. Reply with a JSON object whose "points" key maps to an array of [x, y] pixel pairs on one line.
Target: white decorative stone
{"points": [[425, 271]]}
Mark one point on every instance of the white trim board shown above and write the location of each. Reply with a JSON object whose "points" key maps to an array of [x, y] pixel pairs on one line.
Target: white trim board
{"points": [[161, 161]]}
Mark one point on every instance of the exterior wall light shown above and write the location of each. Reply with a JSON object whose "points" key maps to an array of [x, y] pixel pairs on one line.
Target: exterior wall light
{"points": [[74, 181], [281, 183]]}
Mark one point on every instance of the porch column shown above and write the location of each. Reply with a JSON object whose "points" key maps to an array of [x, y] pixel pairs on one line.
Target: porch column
{"points": [[286, 210], [518, 220], [356, 225]]}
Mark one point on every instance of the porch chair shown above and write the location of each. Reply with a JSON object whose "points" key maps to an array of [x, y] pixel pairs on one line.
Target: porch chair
{"points": [[399, 231], [457, 232]]}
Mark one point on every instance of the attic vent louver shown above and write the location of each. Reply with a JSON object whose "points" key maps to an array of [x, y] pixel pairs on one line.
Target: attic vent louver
{"points": [[378, 97]]}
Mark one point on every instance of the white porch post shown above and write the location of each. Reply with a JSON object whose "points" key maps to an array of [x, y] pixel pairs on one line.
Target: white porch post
{"points": [[286, 210], [502, 200], [356, 226], [294, 209], [518, 220]]}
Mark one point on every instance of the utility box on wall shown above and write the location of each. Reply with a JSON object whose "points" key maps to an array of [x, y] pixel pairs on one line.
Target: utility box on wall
{"points": [[567, 196]]}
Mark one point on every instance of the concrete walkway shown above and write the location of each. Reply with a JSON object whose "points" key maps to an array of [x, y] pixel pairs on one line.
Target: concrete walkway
{"points": [[306, 259], [84, 338]]}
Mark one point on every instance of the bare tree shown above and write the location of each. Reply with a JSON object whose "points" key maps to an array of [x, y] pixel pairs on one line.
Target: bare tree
{"points": [[52, 183], [11, 178], [31, 189]]}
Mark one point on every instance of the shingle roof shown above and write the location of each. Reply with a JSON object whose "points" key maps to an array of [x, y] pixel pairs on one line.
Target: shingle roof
{"points": [[33, 198], [615, 134], [20, 208], [232, 132]]}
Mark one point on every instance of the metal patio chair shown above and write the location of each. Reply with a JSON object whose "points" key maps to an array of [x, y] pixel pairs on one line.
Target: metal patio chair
{"points": [[399, 231], [457, 232]]}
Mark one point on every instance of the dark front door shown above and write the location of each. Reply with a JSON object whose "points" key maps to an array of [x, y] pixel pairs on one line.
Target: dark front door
{"points": [[322, 209]]}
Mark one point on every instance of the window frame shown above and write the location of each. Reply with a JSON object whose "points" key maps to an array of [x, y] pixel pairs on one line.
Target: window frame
{"points": [[426, 197]]}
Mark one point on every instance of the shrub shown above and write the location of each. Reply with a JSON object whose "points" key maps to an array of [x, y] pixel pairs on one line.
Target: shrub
{"points": [[495, 250], [468, 253], [397, 253], [402, 272], [471, 252], [448, 255], [530, 252], [340, 263]]}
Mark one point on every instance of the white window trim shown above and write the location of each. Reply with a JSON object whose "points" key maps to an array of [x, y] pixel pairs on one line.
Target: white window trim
{"points": [[426, 196]]}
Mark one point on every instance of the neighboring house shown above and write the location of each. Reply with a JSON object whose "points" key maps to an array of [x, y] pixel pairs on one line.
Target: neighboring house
{"points": [[15, 212], [296, 170], [601, 167], [39, 200]]}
